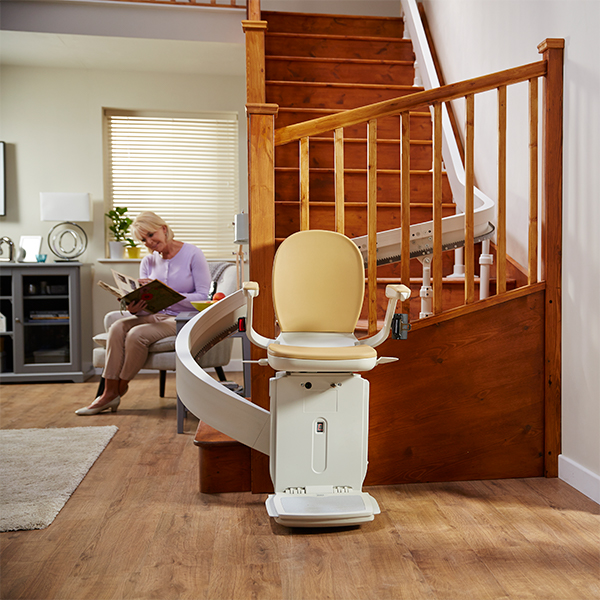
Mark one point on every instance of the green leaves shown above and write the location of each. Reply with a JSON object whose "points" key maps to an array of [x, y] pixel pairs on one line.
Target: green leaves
{"points": [[120, 224]]}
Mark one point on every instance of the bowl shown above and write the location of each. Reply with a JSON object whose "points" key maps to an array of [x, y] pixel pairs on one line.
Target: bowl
{"points": [[201, 305]]}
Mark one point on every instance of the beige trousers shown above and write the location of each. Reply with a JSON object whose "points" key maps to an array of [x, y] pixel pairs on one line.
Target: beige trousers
{"points": [[128, 342]]}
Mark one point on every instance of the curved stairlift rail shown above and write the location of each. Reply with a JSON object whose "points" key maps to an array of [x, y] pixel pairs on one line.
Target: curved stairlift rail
{"points": [[205, 397]]}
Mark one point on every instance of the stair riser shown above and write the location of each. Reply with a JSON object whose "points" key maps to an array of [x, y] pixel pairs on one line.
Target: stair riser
{"points": [[333, 24], [287, 218], [387, 128], [313, 70], [322, 96], [321, 155], [355, 187], [323, 47]]}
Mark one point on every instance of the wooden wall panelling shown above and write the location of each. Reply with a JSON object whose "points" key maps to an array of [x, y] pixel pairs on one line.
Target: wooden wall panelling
{"points": [[464, 401]]}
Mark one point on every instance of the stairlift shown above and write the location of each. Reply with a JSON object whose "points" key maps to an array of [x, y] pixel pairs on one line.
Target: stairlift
{"points": [[318, 423]]}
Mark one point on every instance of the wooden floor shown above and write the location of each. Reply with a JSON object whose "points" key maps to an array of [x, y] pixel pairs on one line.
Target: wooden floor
{"points": [[137, 527]]}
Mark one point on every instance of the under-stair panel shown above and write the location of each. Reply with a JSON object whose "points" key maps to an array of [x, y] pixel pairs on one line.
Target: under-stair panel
{"points": [[464, 401]]}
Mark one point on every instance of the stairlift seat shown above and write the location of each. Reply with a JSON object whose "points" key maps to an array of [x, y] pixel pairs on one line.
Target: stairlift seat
{"points": [[316, 432], [321, 359]]}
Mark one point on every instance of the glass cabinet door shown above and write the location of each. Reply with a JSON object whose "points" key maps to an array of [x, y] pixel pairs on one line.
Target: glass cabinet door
{"points": [[44, 322]]}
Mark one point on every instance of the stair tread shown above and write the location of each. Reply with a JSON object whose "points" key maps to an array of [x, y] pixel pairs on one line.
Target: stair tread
{"points": [[346, 170], [333, 111], [449, 280], [330, 59], [207, 435], [333, 36], [349, 140], [335, 84], [381, 205]]}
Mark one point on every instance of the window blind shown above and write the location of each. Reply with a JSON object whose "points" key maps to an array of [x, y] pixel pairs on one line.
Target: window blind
{"points": [[184, 169]]}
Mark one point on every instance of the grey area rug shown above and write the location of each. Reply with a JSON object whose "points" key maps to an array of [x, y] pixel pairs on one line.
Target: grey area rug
{"points": [[41, 468]]}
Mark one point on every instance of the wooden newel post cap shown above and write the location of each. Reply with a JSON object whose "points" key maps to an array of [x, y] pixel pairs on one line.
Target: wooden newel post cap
{"points": [[262, 109], [550, 44]]}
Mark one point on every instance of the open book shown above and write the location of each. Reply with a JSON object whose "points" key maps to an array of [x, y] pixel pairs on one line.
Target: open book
{"points": [[157, 295]]}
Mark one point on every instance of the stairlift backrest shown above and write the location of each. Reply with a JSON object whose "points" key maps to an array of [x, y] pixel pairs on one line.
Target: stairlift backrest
{"points": [[318, 283]]}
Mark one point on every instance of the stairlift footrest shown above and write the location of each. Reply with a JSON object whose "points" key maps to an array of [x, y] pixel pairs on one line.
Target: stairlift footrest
{"points": [[322, 510]]}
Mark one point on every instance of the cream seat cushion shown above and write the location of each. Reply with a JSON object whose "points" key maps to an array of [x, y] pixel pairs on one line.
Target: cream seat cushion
{"points": [[322, 353]]}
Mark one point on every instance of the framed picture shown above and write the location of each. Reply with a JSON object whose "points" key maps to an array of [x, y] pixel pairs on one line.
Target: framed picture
{"points": [[32, 244]]}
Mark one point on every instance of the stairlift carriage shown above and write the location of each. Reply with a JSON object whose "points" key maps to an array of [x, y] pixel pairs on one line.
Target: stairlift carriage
{"points": [[319, 414]]}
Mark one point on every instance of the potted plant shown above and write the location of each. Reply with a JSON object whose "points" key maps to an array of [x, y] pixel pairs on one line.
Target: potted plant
{"points": [[119, 229], [132, 249]]}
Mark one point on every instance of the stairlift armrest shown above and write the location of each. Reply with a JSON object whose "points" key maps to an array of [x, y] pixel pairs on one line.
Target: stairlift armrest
{"points": [[250, 288], [393, 293], [251, 291], [397, 291]]}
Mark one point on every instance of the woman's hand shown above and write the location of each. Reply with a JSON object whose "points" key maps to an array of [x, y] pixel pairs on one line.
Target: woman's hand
{"points": [[136, 307], [144, 281]]}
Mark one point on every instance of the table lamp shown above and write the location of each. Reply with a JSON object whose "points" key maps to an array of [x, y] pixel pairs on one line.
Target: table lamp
{"points": [[67, 240]]}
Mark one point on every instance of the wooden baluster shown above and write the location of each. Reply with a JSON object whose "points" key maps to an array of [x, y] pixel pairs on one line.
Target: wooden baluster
{"points": [[304, 184], [405, 204], [469, 201], [533, 181], [437, 208], [501, 221], [339, 180], [372, 224], [551, 247]]}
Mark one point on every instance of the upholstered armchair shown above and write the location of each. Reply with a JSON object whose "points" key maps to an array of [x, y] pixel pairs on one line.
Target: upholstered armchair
{"points": [[161, 356]]}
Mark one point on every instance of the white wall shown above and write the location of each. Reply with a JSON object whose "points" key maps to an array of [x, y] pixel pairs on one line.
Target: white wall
{"points": [[474, 37], [51, 119]]}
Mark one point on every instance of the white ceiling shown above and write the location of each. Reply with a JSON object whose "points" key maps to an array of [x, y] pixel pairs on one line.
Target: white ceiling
{"points": [[120, 53]]}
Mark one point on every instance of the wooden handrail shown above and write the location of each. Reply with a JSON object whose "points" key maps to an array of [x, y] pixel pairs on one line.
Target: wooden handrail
{"points": [[386, 108]]}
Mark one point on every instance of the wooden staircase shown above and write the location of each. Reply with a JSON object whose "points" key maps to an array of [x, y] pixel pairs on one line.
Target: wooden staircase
{"points": [[317, 65], [475, 393]]}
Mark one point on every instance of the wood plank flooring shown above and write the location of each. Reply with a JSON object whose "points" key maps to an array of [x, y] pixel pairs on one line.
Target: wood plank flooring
{"points": [[137, 527]]}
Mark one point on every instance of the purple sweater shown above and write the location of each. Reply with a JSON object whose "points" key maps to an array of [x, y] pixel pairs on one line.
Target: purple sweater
{"points": [[187, 273]]}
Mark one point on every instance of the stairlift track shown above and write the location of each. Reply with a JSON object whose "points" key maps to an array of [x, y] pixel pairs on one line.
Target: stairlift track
{"points": [[205, 397]]}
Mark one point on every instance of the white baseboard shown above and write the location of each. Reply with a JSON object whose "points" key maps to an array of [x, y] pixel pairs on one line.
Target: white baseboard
{"points": [[577, 476]]}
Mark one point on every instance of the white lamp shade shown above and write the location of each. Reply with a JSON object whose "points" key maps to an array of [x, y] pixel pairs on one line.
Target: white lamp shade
{"points": [[65, 206]]}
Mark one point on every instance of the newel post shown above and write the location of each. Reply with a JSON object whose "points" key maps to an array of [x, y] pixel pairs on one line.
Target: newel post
{"points": [[551, 251], [261, 210]]}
